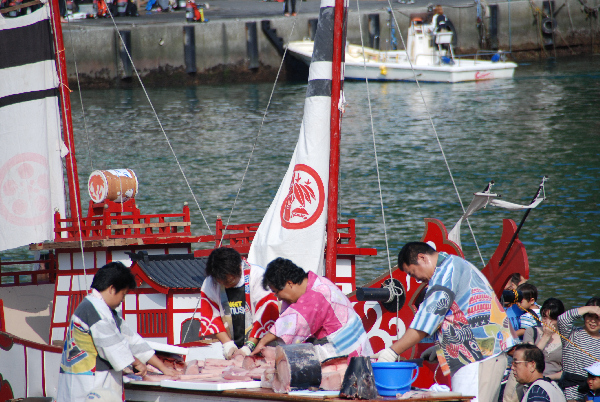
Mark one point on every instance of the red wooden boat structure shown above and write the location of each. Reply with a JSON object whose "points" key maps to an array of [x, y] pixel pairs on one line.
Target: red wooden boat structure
{"points": [[158, 247]]}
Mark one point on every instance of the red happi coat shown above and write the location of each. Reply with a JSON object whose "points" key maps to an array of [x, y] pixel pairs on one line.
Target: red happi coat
{"points": [[262, 308]]}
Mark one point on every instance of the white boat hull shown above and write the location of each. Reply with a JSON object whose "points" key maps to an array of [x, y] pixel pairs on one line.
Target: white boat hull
{"points": [[397, 67]]}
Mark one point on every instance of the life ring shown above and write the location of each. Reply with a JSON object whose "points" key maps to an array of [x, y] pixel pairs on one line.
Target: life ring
{"points": [[549, 25]]}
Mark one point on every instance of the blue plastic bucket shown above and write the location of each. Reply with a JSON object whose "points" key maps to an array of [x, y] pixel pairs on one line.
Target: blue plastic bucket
{"points": [[394, 378]]}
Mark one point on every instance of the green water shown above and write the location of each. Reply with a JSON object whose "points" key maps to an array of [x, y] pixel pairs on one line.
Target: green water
{"points": [[545, 121]]}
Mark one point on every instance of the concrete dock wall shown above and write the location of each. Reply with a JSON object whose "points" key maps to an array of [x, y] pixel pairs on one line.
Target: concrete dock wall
{"points": [[221, 52]]}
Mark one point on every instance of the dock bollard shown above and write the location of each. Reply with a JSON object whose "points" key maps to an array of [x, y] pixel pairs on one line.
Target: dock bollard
{"points": [[252, 45], [312, 27], [189, 49], [124, 46], [374, 31]]}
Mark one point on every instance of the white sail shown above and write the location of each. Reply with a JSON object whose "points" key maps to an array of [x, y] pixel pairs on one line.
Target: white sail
{"points": [[31, 176], [294, 225]]}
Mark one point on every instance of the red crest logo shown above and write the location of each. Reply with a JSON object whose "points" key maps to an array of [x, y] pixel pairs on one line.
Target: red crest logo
{"points": [[24, 188], [305, 200]]}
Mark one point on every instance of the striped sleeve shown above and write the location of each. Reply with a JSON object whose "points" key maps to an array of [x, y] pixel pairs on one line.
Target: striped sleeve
{"points": [[566, 323], [111, 344], [433, 310], [138, 346]]}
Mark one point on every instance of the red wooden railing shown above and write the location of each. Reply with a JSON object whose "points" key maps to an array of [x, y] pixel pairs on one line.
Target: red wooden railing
{"points": [[113, 220], [46, 275]]}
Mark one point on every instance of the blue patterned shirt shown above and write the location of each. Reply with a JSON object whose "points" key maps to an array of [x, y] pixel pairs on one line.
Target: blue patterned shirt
{"points": [[463, 314]]}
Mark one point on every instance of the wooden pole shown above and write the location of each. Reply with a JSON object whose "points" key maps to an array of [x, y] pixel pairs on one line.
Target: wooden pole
{"points": [[65, 103], [335, 125]]}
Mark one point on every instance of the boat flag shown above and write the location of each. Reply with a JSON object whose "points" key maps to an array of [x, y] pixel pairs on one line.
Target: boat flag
{"points": [[294, 225], [31, 176], [482, 200]]}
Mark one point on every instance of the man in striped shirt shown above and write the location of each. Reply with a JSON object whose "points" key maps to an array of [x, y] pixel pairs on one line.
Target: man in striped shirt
{"points": [[464, 317]]}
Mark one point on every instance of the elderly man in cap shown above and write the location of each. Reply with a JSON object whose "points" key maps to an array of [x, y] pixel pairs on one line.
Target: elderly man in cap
{"points": [[464, 317]]}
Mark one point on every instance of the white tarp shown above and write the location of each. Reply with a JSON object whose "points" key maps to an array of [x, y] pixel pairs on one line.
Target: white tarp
{"points": [[31, 176], [482, 200], [294, 225]]}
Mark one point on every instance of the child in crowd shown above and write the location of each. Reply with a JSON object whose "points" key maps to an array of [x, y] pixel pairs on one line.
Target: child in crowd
{"points": [[547, 339], [593, 383], [514, 281], [531, 317], [521, 316], [99, 344], [587, 339]]}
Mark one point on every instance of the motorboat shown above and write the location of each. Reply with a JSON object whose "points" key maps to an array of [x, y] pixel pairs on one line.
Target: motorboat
{"points": [[429, 57]]}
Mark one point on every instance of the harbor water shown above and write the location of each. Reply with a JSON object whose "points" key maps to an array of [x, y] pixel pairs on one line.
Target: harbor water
{"points": [[545, 121]]}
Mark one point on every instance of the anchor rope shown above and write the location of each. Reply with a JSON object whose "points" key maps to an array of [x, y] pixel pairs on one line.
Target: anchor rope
{"points": [[159, 122], [437, 137]]}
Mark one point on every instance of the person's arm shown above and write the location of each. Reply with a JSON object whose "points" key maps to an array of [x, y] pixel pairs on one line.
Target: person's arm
{"points": [[589, 310], [156, 362], [410, 338], [555, 376], [520, 332], [268, 338]]}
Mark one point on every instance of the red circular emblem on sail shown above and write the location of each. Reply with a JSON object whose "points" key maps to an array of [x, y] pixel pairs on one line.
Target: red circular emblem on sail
{"points": [[24, 188], [305, 200]]}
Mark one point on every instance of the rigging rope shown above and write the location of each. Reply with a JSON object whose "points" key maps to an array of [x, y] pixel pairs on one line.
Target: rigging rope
{"points": [[249, 160], [65, 123], [391, 285], [85, 127], [159, 122], [387, 247], [262, 123], [555, 330], [430, 118]]}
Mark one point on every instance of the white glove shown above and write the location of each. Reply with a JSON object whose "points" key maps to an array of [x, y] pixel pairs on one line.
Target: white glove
{"points": [[245, 350], [387, 355], [228, 349]]}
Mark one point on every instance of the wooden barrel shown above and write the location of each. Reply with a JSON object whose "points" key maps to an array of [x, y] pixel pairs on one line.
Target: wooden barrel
{"points": [[117, 185]]}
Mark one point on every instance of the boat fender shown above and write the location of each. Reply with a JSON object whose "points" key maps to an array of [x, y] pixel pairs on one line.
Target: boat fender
{"points": [[450, 27], [383, 70], [549, 25]]}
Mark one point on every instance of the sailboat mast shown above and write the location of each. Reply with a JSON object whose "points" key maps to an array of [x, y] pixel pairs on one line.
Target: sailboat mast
{"points": [[65, 103], [335, 126]]}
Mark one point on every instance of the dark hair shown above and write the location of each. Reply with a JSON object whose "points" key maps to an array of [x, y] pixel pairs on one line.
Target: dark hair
{"points": [[532, 353], [516, 278], [280, 271], [594, 301], [114, 274], [553, 307], [222, 262], [409, 253], [529, 291]]}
